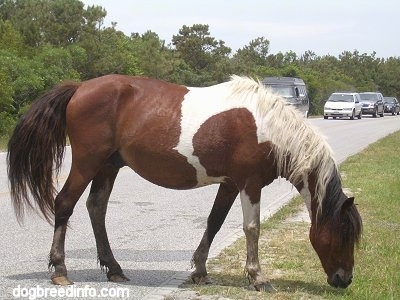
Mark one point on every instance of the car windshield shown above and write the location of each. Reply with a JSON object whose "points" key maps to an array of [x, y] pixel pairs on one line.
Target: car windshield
{"points": [[341, 98], [369, 97], [284, 91]]}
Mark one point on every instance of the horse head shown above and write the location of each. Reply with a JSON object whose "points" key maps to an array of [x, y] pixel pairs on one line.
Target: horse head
{"points": [[335, 230]]}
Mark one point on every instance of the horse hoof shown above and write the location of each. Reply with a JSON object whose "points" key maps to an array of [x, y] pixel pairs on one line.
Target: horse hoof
{"points": [[264, 287], [61, 280], [201, 280], [118, 278]]}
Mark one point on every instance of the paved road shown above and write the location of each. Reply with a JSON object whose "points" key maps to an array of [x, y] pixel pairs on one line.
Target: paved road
{"points": [[153, 231]]}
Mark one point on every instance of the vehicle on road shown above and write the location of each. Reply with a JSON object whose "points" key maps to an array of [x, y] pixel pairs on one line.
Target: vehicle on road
{"points": [[293, 89], [343, 105], [372, 104], [391, 105]]}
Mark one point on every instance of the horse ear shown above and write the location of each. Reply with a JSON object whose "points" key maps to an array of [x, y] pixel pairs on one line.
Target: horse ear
{"points": [[347, 203]]}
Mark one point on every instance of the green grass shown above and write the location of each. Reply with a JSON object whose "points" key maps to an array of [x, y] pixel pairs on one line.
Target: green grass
{"points": [[3, 143], [287, 257]]}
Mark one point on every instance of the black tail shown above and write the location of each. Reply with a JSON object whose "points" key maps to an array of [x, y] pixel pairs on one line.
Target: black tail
{"points": [[36, 146]]}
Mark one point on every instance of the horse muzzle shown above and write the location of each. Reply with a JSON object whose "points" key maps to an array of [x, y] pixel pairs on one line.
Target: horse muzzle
{"points": [[340, 279]]}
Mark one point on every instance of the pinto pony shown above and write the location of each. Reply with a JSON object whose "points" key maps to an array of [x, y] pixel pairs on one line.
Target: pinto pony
{"points": [[237, 134]]}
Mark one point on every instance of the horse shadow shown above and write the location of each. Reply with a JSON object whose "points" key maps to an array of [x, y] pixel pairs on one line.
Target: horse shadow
{"points": [[137, 277], [80, 273], [156, 277], [287, 286]]}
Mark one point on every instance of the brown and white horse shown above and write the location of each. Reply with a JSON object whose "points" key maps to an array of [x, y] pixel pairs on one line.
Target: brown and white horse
{"points": [[236, 134]]}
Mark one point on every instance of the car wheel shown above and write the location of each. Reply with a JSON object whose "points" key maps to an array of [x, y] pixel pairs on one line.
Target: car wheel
{"points": [[360, 115], [375, 114], [325, 117], [382, 114], [352, 115]]}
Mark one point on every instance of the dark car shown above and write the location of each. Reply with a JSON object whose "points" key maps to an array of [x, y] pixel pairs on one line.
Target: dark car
{"points": [[372, 104], [292, 89], [391, 105]]}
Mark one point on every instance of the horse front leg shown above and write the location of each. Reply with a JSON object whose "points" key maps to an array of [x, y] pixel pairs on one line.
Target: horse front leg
{"points": [[97, 207], [250, 200], [226, 195]]}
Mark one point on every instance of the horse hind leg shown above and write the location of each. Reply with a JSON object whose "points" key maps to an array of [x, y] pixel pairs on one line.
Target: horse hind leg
{"points": [[226, 195], [97, 207], [64, 205], [84, 167]]}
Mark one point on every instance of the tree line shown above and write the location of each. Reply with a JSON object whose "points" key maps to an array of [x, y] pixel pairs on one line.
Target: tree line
{"points": [[44, 42]]}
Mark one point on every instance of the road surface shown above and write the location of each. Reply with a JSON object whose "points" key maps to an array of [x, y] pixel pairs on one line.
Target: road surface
{"points": [[153, 231]]}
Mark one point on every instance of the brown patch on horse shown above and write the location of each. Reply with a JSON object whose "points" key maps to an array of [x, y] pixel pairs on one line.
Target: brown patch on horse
{"points": [[149, 113], [137, 117], [227, 145]]}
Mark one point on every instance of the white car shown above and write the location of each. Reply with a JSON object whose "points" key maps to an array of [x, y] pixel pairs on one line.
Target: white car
{"points": [[343, 105]]}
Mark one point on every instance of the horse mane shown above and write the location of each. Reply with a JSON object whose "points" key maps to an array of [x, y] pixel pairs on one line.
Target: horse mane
{"points": [[298, 147]]}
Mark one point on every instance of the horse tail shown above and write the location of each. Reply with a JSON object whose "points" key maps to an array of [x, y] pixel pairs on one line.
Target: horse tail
{"points": [[36, 149]]}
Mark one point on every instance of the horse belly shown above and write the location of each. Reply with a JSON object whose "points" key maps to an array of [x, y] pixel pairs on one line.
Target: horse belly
{"points": [[169, 170]]}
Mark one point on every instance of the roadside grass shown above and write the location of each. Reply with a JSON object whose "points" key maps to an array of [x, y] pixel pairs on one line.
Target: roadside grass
{"points": [[3, 143], [287, 257]]}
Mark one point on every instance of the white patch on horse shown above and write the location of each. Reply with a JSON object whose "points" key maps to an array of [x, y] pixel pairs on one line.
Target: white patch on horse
{"points": [[251, 212], [198, 106], [306, 194], [275, 121]]}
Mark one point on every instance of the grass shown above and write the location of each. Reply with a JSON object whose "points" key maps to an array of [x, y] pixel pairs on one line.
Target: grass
{"points": [[287, 257], [3, 143]]}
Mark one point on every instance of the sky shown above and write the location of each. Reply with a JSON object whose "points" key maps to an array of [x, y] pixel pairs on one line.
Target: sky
{"points": [[326, 27]]}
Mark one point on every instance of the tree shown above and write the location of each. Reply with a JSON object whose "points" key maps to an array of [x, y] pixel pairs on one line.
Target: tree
{"points": [[111, 51], [94, 20], [6, 88], [308, 57], [389, 79], [55, 65], [10, 38], [155, 59], [363, 68], [201, 52], [58, 22], [251, 56]]}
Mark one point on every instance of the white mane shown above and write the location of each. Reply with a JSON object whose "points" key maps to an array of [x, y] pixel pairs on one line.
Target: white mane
{"points": [[299, 147]]}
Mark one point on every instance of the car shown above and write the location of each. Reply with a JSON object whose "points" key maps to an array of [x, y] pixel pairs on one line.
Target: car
{"points": [[391, 105], [343, 105], [372, 104], [292, 89]]}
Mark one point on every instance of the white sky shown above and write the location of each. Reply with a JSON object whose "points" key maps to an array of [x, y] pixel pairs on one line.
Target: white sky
{"points": [[322, 26]]}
